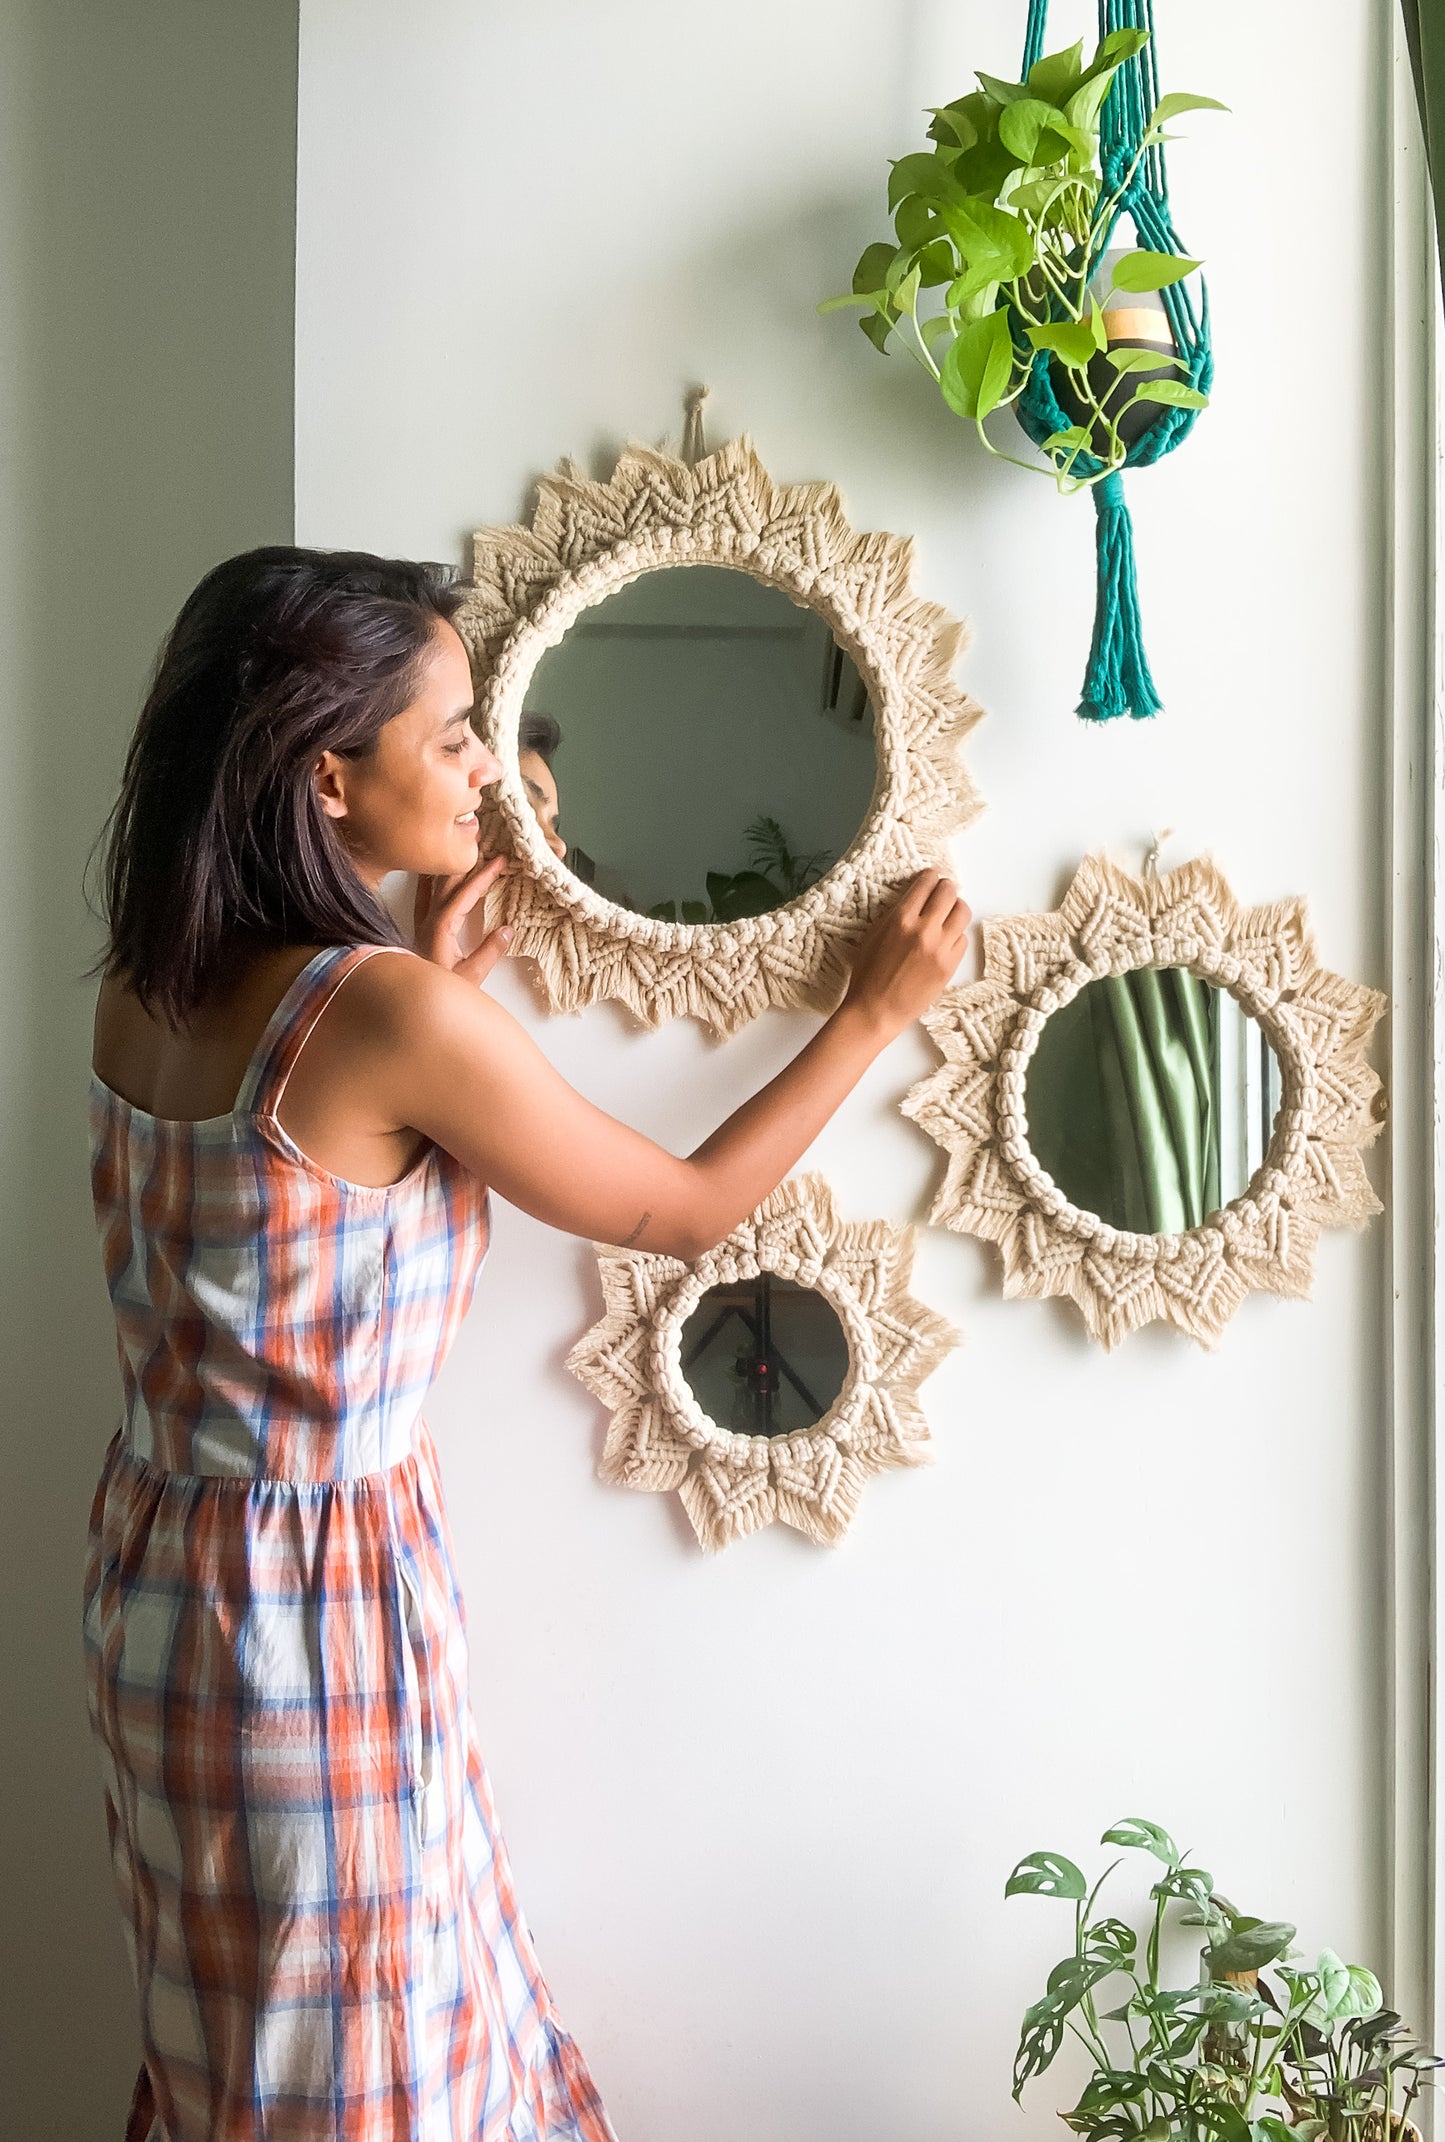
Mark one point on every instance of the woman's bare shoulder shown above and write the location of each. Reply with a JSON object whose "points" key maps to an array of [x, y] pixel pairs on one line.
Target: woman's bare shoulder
{"points": [[398, 1002]]}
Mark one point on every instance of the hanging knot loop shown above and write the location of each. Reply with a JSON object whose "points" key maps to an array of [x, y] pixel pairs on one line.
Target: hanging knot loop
{"points": [[1115, 164], [694, 445], [1151, 860]]}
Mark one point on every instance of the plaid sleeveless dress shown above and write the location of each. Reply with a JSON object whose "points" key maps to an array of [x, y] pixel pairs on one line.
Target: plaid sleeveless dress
{"points": [[317, 1898]]}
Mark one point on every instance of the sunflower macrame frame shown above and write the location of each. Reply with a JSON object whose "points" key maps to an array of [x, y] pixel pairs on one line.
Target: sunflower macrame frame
{"points": [[588, 539], [1312, 1177], [659, 1438]]}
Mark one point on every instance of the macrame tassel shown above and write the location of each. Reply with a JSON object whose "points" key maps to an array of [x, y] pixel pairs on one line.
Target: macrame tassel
{"points": [[1117, 680]]}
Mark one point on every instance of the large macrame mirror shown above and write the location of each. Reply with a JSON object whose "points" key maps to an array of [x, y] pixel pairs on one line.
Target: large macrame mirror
{"points": [[1153, 1100], [729, 731], [767, 1382]]}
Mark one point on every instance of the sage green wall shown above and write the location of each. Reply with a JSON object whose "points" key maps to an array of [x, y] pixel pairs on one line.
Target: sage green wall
{"points": [[147, 221]]}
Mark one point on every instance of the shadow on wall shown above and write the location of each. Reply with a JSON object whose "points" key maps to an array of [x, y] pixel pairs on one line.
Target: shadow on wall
{"points": [[147, 249]]}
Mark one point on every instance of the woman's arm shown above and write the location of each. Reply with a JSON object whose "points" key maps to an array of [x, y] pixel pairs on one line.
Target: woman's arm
{"points": [[445, 1060]]}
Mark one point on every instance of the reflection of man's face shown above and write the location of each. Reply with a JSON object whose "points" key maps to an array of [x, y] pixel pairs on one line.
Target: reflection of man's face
{"points": [[541, 790]]}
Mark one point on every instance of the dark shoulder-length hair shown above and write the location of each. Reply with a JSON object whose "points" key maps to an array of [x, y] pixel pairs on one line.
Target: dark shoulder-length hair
{"points": [[218, 841]]}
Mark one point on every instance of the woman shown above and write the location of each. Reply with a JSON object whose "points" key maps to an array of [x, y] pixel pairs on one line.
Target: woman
{"points": [[538, 736], [292, 1135]]}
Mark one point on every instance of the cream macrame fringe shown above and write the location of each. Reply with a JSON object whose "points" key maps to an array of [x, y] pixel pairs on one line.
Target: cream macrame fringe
{"points": [[588, 539], [1313, 1177], [731, 1484]]}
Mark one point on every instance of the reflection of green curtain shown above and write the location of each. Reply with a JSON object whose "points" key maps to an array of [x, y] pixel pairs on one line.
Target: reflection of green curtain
{"points": [[1425, 36], [1121, 1100]]}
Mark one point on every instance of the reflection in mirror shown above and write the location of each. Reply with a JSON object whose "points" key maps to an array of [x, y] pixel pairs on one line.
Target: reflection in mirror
{"points": [[709, 746], [1150, 1099], [764, 1356]]}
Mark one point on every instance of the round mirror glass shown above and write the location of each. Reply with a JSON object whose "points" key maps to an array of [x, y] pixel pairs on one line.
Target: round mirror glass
{"points": [[764, 1356], [698, 747], [1150, 1099]]}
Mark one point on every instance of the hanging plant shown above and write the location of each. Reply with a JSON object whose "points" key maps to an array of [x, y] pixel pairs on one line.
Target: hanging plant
{"points": [[1003, 286]]}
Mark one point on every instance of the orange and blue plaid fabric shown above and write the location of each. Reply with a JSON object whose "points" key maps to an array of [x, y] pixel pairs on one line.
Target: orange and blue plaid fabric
{"points": [[321, 1915]]}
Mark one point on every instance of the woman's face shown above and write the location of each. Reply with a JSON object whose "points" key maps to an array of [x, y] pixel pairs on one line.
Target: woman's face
{"points": [[411, 803], [541, 788]]}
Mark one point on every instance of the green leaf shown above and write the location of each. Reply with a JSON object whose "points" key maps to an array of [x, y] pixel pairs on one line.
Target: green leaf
{"points": [[1044, 1874], [1219, 2118], [1172, 392], [1033, 197], [905, 297], [851, 297], [964, 123], [1144, 270], [1190, 1885], [1083, 108], [915, 221], [1070, 441], [1021, 124], [873, 265], [969, 285], [1002, 92], [1069, 339], [1250, 1948], [974, 379], [1178, 101], [1124, 360], [930, 330], [989, 238], [1119, 45], [982, 170], [1348, 1992], [877, 327], [1057, 75], [1228, 2004], [1114, 1935], [950, 128], [920, 173], [937, 264], [694, 910], [743, 893], [1039, 2041]]}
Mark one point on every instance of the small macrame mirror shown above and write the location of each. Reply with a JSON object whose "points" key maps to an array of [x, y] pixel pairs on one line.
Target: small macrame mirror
{"points": [[728, 727], [767, 1382], [1154, 1100]]}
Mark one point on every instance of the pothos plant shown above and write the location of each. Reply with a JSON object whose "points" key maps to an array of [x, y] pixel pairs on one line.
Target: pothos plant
{"points": [[777, 875], [1239, 2056], [1000, 228]]}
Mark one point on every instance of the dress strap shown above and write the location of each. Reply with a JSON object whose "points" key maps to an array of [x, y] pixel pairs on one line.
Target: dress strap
{"points": [[290, 1025]]}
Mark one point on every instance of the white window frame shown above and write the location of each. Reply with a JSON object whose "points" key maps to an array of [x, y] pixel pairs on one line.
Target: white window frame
{"points": [[1412, 431]]}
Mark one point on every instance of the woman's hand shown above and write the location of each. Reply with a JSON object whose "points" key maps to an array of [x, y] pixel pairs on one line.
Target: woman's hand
{"points": [[442, 906], [910, 953]]}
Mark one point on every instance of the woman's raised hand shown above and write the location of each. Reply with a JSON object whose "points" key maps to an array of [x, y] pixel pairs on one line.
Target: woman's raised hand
{"points": [[442, 906], [910, 952]]}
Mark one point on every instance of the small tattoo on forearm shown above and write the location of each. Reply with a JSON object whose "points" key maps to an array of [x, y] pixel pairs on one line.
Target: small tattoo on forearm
{"points": [[637, 1230]]}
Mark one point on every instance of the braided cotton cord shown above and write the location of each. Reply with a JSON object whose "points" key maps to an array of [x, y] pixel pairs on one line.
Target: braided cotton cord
{"points": [[1117, 680]]}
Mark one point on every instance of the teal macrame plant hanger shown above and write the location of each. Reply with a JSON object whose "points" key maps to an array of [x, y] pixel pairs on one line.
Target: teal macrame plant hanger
{"points": [[1117, 680]]}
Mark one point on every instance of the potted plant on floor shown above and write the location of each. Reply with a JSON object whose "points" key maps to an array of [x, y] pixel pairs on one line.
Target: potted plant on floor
{"points": [[1258, 2049]]}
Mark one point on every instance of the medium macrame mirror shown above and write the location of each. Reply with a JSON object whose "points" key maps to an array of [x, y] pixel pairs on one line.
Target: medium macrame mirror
{"points": [[1154, 1100], [771, 1379], [729, 731]]}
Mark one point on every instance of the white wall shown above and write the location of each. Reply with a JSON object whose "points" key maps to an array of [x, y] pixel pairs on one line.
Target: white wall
{"points": [[762, 1807], [146, 238]]}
